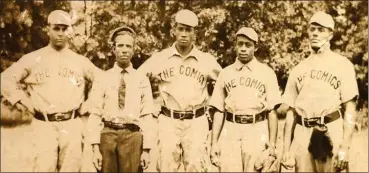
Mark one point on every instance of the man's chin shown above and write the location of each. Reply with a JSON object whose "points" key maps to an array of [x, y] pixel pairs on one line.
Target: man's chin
{"points": [[183, 44], [244, 60], [123, 62]]}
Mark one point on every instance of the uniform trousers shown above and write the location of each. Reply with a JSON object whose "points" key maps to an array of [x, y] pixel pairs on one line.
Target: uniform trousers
{"points": [[241, 144], [300, 144], [183, 141], [58, 145]]}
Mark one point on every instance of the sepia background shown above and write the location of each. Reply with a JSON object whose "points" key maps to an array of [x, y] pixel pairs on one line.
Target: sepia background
{"points": [[281, 26]]}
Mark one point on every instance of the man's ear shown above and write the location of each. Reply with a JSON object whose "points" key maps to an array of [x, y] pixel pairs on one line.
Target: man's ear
{"points": [[48, 30], [330, 36]]}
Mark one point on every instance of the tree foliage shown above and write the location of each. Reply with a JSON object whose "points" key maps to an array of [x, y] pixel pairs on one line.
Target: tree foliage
{"points": [[281, 26]]}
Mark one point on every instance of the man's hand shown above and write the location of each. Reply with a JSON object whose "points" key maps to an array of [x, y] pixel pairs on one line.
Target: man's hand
{"points": [[288, 161], [145, 159], [341, 158], [97, 157], [214, 154]]}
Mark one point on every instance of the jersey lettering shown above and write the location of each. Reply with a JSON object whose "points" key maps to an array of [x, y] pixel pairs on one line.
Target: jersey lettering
{"points": [[42, 75], [247, 82], [326, 77], [166, 73], [184, 71]]}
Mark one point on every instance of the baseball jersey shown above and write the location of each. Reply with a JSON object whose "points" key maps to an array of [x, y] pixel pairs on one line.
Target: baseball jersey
{"points": [[138, 102], [182, 80], [319, 84], [55, 80], [246, 89]]}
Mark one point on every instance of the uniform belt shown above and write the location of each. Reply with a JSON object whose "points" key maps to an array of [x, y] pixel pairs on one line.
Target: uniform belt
{"points": [[56, 116], [121, 126], [311, 122], [183, 114], [245, 119]]}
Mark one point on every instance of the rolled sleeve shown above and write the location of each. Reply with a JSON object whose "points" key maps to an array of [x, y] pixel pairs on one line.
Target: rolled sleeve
{"points": [[218, 96]]}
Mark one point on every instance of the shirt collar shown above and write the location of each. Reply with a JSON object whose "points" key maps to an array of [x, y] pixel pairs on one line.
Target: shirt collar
{"points": [[250, 65], [193, 53], [59, 51], [323, 50], [129, 69]]}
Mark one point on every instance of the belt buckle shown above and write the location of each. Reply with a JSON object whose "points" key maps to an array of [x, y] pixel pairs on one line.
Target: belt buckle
{"points": [[182, 115], [59, 116], [309, 122], [244, 119]]}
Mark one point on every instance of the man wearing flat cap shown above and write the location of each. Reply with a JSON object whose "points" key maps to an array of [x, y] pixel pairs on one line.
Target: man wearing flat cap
{"points": [[122, 112], [244, 97], [55, 78], [182, 72], [321, 91]]}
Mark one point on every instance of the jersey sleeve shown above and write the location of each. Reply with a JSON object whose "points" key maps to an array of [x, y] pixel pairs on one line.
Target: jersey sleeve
{"points": [[215, 68], [349, 87], [272, 92], [290, 92], [218, 96]]}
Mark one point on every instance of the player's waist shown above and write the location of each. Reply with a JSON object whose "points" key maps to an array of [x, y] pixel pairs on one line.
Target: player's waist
{"points": [[120, 124], [177, 114], [60, 116], [244, 118], [311, 122]]}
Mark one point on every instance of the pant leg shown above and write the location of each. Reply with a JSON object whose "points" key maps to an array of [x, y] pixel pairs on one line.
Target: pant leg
{"points": [[129, 147], [169, 134], [46, 143], [230, 148], [254, 138], [70, 145], [108, 145], [195, 156], [17, 149]]}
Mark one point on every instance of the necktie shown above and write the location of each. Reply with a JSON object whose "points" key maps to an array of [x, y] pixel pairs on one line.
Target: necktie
{"points": [[122, 90]]}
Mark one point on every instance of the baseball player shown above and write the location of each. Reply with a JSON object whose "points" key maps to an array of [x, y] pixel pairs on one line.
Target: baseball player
{"points": [[182, 72], [124, 105], [244, 98], [317, 89], [55, 79]]}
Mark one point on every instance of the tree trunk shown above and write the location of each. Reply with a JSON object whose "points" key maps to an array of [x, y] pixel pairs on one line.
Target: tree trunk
{"points": [[133, 3], [162, 8]]}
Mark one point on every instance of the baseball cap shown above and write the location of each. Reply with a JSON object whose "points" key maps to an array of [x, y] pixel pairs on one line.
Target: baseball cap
{"points": [[187, 17], [59, 17], [120, 29], [248, 32], [322, 19]]}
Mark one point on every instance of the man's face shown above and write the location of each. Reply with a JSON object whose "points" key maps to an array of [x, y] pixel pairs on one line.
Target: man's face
{"points": [[184, 34], [123, 49], [319, 35], [245, 48], [58, 35]]}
